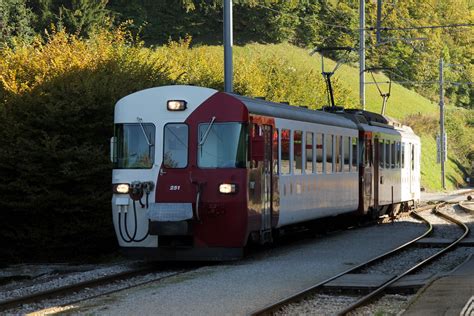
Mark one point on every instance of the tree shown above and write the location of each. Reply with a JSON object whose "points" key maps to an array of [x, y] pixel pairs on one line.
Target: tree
{"points": [[15, 21]]}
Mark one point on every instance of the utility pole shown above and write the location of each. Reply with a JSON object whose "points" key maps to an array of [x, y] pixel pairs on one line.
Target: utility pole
{"points": [[228, 67], [362, 53], [442, 137]]}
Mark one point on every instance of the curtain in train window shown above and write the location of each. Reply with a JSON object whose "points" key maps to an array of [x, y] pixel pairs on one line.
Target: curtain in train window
{"points": [[329, 153], [297, 152], [319, 153], [309, 166], [285, 151]]}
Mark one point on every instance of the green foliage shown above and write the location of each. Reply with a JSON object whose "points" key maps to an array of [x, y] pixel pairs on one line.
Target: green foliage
{"points": [[15, 21]]}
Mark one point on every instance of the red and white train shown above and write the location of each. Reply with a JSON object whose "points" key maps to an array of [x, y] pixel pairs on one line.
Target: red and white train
{"points": [[198, 173]]}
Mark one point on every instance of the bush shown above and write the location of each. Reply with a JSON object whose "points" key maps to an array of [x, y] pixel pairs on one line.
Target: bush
{"points": [[56, 116]]}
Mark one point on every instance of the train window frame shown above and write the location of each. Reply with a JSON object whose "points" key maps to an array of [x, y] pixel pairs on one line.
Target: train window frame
{"points": [[309, 135], [294, 160], [165, 142], [320, 166], [281, 152]]}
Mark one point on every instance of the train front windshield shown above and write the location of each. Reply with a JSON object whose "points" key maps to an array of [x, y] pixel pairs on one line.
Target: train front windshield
{"points": [[135, 146], [222, 145]]}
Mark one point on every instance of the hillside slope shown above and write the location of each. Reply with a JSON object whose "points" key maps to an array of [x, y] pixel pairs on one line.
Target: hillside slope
{"points": [[403, 104]]}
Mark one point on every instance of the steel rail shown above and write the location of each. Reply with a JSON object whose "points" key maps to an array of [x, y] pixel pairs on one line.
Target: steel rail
{"points": [[269, 309], [379, 290], [62, 290]]}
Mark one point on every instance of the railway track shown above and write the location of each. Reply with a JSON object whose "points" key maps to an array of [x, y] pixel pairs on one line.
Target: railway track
{"points": [[273, 308], [71, 289]]}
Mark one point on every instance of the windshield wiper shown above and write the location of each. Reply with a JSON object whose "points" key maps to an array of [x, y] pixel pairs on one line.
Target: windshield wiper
{"points": [[204, 137], [140, 121]]}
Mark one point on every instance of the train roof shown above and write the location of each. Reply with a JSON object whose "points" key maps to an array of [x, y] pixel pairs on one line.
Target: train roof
{"points": [[280, 110]]}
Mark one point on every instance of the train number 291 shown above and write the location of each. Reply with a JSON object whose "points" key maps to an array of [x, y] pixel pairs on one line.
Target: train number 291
{"points": [[175, 187]]}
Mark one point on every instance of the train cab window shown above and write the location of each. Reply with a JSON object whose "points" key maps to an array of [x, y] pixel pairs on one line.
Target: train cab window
{"points": [[355, 153], [276, 158], [381, 154], [403, 155], [412, 156], [175, 146], [346, 151], [222, 145], [320, 153], [309, 165], [135, 146], [297, 152], [329, 153], [285, 151]]}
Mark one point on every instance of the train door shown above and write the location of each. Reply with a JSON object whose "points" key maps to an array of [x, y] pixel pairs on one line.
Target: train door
{"points": [[412, 168], [260, 178], [368, 172], [267, 182]]}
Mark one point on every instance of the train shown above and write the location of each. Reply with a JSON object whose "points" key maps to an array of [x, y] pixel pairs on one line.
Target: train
{"points": [[199, 173]]}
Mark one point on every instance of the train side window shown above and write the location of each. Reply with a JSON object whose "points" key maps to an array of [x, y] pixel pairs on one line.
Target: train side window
{"points": [[297, 152], [392, 154], [381, 154], [285, 151], [320, 159], [403, 155], [276, 157], [355, 153], [387, 154], [309, 165], [346, 153], [175, 147], [338, 152], [412, 156], [397, 157], [329, 153]]}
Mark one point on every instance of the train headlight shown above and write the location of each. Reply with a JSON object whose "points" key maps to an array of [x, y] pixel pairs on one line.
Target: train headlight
{"points": [[176, 105], [121, 188], [227, 188]]}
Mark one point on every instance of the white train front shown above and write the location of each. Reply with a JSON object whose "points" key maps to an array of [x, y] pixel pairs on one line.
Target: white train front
{"points": [[198, 173]]}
